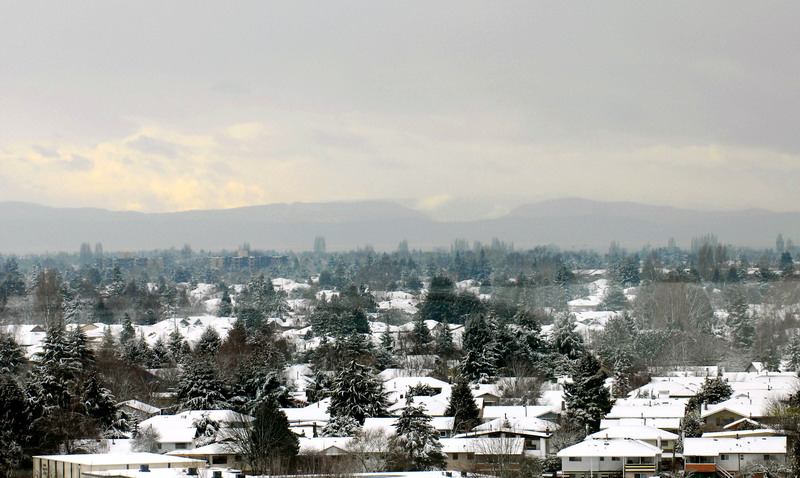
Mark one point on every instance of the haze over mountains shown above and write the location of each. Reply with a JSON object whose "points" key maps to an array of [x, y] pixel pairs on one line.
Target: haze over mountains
{"points": [[567, 223]]}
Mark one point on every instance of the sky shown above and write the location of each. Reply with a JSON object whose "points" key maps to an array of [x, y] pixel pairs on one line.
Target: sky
{"points": [[461, 109]]}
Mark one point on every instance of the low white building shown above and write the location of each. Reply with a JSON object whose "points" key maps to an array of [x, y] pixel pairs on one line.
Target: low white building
{"points": [[113, 464]]}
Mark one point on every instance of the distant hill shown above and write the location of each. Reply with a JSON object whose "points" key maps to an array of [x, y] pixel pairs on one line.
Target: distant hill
{"points": [[568, 223]]}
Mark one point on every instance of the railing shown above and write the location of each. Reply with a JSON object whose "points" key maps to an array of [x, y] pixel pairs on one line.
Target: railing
{"points": [[724, 473]]}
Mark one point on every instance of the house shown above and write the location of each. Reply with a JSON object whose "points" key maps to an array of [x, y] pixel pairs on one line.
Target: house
{"points": [[709, 457], [616, 457], [111, 465], [179, 432], [215, 454], [483, 454], [651, 435], [137, 410], [717, 417], [536, 443], [544, 412], [443, 425]]}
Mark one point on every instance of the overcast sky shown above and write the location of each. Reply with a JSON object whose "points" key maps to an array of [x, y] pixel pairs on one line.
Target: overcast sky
{"points": [[164, 106]]}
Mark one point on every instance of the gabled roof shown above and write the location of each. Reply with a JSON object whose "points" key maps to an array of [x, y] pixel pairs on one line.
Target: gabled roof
{"points": [[718, 446], [141, 406], [518, 423], [638, 432], [515, 411], [621, 447], [743, 407], [324, 445], [760, 432], [509, 431], [654, 409]]}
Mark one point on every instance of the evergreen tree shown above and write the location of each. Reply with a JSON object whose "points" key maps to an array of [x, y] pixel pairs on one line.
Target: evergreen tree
{"points": [[420, 337], [416, 441], [12, 358], [209, 342], [268, 445], [99, 403], [13, 283], [587, 400], [462, 407], [199, 388], [357, 392], [177, 345], [793, 352], [444, 346], [341, 426], [565, 340], [480, 348], [225, 308], [714, 390]]}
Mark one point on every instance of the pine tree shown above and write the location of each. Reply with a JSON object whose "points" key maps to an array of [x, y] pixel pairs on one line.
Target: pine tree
{"points": [[462, 407], [99, 403], [199, 388], [225, 308], [586, 398], [357, 392], [420, 337], [793, 352], [341, 426], [12, 358], [565, 340], [445, 347], [209, 342], [416, 441]]}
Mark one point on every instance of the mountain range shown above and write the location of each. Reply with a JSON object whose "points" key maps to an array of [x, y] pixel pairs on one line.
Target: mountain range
{"points": [[568, 223]]}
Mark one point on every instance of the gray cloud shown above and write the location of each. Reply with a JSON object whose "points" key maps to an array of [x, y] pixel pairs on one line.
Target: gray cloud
{"points": [[78, 163], [150, 145], [46, 152]]}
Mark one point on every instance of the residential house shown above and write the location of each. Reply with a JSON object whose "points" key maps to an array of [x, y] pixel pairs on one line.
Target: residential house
{"points": [[483, 454], [179, 432], [616, 457], [710, 457]]}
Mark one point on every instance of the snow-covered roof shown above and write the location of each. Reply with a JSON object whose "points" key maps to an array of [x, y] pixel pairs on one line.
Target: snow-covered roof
{"points": [[759, 432], [621, 447], [179, 428], [110, 459], [518, 424], [484, 445], [652, 410], [324, 445], [515, 411], [210, 449], [314, 412], [434, 406], [718, 446], [141, 406], [638, 432], [744, 407], [662, 423]]}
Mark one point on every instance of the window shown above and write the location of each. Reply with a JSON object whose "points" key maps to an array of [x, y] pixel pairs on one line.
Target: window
{"points": [[724, 457], [455, 456], [575, 458], [602, 458], [219, 460], [180, 446], [615, 458], [767, 457]]}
